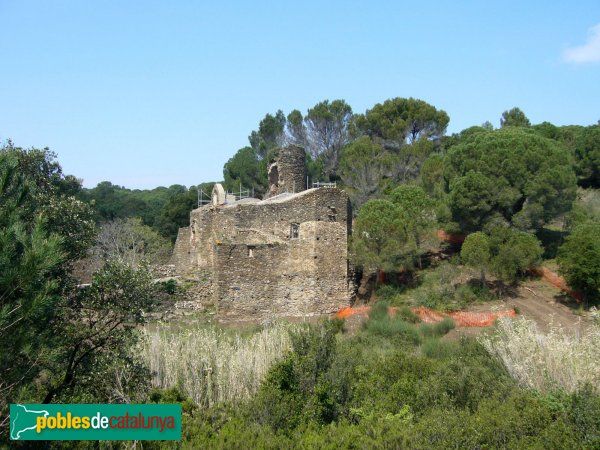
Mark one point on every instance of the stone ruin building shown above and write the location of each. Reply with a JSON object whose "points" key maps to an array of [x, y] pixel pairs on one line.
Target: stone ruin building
{"points": [[283, 256]]}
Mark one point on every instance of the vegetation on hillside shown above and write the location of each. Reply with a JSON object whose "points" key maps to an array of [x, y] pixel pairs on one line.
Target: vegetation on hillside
{"points": [[516, 195], [58, 342], [399, 384]]}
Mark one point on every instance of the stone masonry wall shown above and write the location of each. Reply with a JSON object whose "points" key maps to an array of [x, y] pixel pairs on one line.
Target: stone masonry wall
{"points": [[182, 252], [259, 269]]}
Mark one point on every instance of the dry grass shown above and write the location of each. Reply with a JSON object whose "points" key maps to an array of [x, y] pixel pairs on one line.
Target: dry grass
{"points": [[211, 365], [559, 359]]}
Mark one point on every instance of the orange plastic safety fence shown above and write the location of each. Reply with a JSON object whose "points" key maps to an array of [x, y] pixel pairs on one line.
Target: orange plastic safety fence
{"points": [[557, 281], [347, 312], [461, 318]]}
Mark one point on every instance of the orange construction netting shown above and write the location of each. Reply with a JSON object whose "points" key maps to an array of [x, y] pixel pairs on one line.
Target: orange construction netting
{"points": [[461, 318], [557, 281], [349, 311]]}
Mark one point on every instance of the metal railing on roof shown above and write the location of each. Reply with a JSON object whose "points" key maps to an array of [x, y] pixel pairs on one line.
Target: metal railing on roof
{"points": [[320, 184]]}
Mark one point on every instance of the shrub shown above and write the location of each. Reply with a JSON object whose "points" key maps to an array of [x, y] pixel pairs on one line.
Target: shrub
{"points": [[437, 349], [584, 414], [338, 325], [297, 390], [443, 327], [393, 326], [431, 299], [388, 292], [169, 286], [406, 314], [472, 292], [172, 395], [381, 323], [379, 310]]}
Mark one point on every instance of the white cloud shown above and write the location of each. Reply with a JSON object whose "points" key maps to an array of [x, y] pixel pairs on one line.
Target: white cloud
{"points": [[588, 52]]}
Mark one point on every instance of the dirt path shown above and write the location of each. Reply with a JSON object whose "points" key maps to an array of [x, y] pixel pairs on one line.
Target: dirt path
{"points": [[537, 301], [547, 306]]}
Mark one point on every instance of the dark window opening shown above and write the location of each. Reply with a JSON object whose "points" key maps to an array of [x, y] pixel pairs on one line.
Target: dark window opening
{"points": [[332, 214], [274, 175], [294, 231], [250, 251]]}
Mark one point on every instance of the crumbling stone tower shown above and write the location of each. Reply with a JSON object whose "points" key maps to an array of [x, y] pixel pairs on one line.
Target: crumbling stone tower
{"points": [[287, 171]]}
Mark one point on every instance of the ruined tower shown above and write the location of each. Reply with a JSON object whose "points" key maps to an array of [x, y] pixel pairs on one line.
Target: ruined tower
{"points": [[287, 171]]}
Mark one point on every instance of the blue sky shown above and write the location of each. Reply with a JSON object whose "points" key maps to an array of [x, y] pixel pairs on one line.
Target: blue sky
{"points": [[157, 93]]}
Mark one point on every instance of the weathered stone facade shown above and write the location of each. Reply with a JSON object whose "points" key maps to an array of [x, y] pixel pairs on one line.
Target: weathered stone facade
{"points": [[282, 256]]}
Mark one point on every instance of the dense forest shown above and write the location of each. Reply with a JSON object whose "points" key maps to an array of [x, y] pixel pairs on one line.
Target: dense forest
{"points": [[519, 195]]}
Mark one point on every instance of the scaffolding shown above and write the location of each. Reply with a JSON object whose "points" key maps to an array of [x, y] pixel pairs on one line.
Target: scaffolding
{"points": [[242, 193], [203, 198], [319, 184]]}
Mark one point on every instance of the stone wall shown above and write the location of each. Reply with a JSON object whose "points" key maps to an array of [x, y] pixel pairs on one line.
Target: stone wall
{"points": [[260, 268], [183, 257]]}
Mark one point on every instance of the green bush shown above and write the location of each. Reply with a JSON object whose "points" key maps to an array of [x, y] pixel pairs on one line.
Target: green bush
{"points": [[443, 327], [433, 299], [437, 329], [472, 292], [388, 292], [406, 314], [338, 325], [584, 415], [381, 323], [169, 286], [437, 349], [579, 260], [394, 326], [379, 311], [172, 395]]}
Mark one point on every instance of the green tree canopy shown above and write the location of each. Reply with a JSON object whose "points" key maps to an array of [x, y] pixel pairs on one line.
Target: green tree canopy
{"points": [[402, 120], [513, 253], [514, 118], [418, 216], [510, 175], [367, 170], [579, 260], [270, 134], [506, 252], [587, 155], [327, 131], [296, 129], [247, 169], [378, 235], [54, 340], [584, 145], [176, 212], [476, 252], [116, 202], [94, 332], [432, 175]]}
